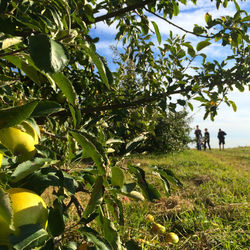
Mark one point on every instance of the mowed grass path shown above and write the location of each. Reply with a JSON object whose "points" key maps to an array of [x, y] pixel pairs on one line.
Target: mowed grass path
{"points": [[211, 211]]}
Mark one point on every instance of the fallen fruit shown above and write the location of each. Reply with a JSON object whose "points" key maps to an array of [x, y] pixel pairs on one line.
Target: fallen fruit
{"points": [[158, 228], [172, 238], [125, 198], [150, 218], [27, 208], [137, 195]]}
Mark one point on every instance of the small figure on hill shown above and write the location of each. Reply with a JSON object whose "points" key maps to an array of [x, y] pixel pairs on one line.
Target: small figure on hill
{"points": [[198, 136], [206, 139], [221, 137]]}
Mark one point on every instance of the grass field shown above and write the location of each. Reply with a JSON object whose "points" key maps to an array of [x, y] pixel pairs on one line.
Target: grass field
{"points": [[211, 211]]}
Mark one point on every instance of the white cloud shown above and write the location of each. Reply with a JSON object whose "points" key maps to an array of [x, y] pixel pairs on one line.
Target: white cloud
{"points": [[102, 28]]}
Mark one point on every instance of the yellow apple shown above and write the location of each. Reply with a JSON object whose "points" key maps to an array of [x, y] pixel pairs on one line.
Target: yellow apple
{"points": [[150, 218], [30, 130], [158, 228], [172, 238], [20, 143], [27, 208]]}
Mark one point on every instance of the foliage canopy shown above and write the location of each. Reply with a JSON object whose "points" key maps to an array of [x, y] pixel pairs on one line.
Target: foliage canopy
{"points": [[52, 76]]}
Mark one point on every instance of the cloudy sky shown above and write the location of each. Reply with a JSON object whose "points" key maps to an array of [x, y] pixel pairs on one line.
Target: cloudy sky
{"points": [[235, 124]]}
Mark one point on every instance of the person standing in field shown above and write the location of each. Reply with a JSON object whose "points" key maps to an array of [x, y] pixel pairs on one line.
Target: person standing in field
{"points": [[198, 136], [221, 137], [206, 139]]}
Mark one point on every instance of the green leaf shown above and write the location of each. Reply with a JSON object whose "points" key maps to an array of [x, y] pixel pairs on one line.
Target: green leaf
{"points": [[96, 197], [115, 207], [56, 221], [48, 176], [135, 142], [144, 28], [57, 18], [128, 187], [98, 62], [30, 237], [15, 115], [191, 52], [28, 167], [225, 3], [166, 185], [132, 245], [208, 18], [206, 115], [8, 42], [168, 175], [90, 150], [76, 115], [28, 69], [190, 106], [5, 209], [233, 105], [45, 108], [246, 19], [48, 55], [118, 177], [200, 99], [65, 86], [175, 8], [148, 190], [201, 45], [198, 30], [157, 32], [110, 233], [181, 102], [94, 237], [72, 245], [236, 5]]}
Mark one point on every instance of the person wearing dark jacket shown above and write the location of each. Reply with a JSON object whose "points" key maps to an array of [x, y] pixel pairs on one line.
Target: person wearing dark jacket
{"points": [[221, 137], [198, 136], [206, 139]]}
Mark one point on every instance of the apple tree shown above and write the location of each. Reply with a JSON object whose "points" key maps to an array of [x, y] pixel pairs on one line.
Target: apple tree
{"points": [[52, 77]]}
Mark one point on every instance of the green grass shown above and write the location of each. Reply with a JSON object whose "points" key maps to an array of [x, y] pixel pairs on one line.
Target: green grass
{"points": [[211, 211]]}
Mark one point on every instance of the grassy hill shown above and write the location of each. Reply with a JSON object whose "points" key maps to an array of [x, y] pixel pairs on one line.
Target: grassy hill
{"points": [[211, 211]]}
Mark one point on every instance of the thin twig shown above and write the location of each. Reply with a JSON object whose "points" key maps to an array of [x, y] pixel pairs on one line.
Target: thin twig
{"points": [[12, 52], [54, 135], [175, 25]]}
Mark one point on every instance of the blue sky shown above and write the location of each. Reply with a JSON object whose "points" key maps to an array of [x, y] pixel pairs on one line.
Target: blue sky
{"points": [[235, 124]]}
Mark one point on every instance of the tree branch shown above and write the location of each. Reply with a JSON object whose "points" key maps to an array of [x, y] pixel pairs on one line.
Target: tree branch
{"points": [[178, 27], [134, 104], [119, 12], [12, 52]]}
